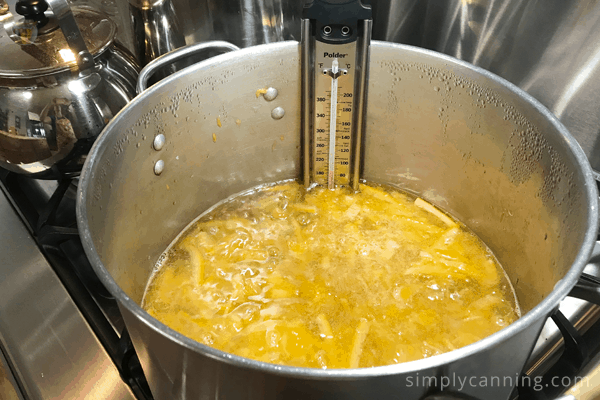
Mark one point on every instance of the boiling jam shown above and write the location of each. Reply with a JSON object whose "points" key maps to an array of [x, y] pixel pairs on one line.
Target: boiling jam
{"points": [[330, 279]]}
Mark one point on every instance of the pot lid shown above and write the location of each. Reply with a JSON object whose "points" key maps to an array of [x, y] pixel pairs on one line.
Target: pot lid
{"points": [[28, 51]]}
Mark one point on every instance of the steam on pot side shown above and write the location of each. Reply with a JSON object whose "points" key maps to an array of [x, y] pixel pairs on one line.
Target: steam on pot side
{"points": [[330, 279]]}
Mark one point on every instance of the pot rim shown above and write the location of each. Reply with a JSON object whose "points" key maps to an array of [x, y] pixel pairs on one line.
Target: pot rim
{"points": [[541, 310]]}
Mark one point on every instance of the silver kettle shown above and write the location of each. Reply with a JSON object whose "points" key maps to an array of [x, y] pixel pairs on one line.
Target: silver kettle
{"points": [[62, 78]]}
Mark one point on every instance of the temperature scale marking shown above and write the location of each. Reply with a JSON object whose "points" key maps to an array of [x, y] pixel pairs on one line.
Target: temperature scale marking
{"points": [[332, 126]]}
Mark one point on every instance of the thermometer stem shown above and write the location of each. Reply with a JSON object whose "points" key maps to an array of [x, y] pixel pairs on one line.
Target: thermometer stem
{"points": [[332, 125]]}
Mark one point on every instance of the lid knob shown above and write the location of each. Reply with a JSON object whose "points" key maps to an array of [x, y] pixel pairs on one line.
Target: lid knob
{"points": [[33, 9]]}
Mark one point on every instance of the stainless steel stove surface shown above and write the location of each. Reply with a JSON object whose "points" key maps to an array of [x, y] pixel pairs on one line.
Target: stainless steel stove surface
{"points": [[49, 348]]}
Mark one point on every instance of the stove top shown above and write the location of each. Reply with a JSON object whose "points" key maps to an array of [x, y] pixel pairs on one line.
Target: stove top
{"points": [[62, 335]]}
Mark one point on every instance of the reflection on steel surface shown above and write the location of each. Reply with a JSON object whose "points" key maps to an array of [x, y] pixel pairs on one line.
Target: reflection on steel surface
{"points": [[43, 333], [551, 49]]}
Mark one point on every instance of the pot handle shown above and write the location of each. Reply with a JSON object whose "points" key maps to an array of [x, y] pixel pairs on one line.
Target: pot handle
{"points": [[179, 54], [69, 27]]}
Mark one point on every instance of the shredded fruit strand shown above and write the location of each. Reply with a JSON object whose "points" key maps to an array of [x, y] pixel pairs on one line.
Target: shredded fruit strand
{"points": [[429, 208]]}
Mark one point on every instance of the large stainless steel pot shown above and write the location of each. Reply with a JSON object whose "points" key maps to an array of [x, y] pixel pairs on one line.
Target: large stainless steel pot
{"points": [[457, 135]]}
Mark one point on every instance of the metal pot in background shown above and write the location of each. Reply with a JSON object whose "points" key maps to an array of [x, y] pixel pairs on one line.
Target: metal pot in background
{"points": [[59, 86], [456, 134]]}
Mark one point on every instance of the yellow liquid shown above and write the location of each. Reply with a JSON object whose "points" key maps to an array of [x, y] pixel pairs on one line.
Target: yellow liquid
{"points": [[330, 279]]}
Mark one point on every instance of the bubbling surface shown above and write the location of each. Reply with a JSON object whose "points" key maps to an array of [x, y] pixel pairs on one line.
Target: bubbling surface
{"points": [[330, 279]]}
